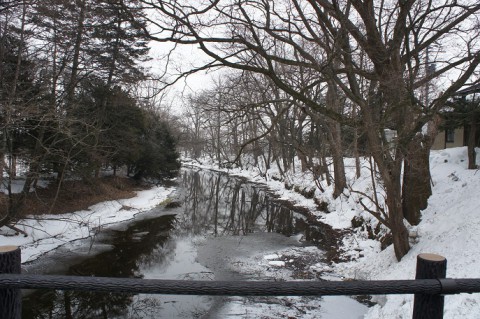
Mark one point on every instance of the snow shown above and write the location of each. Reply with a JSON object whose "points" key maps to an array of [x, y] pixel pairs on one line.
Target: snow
{"points": [[277, 263], [450, 227], [272, 256], [51, 231]]}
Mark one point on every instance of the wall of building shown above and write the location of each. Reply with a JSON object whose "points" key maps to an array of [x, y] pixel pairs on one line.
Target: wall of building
{"points": [[441, 140]]}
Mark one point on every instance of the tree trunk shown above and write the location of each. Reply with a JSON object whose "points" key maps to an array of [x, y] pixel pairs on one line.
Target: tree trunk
{"points": [[76, 53], [356, 152], [472, 142], [8, 121], [2, 162], [416, 177], [399, 231], [335, 139], [389, 168], [416, 180], [282, 144], [339, 179], [303, 160], [324, 164], [35, 164], [13, 165]]}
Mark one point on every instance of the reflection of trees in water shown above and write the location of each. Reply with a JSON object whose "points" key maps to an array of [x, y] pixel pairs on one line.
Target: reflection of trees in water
{"points": [[214, 203], [75, 304], [145, 242], [220, 204], [144, 307], [217, 203], [140, 243], [279, 219]]}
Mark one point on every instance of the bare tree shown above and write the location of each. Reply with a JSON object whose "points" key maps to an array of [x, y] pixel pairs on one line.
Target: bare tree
{"points": [[330, 37], [18, 95]]}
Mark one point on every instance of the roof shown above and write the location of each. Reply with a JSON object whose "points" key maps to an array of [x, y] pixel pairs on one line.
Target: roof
{"points": [[469, 90]]}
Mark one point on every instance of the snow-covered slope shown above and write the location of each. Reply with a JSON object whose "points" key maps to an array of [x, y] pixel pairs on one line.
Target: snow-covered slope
{"points": [[450, 227]]}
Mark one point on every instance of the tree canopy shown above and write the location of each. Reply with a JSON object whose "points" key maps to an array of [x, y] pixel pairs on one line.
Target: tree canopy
{"points": [[68, 100], [385, 58]]}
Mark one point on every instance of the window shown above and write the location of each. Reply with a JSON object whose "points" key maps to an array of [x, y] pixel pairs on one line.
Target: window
{"points": [[450, 135]]}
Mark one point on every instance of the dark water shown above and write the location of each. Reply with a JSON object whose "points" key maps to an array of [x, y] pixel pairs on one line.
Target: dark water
{"points": [[219, 217]]}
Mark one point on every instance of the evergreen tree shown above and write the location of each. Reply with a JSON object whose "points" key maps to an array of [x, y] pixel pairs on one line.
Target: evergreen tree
{"points": [[86, 41], [159, 158], [120, 43], [122, 134], [20, 100]]}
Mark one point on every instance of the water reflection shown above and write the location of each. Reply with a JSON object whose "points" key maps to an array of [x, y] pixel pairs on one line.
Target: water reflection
{"points": [[132, 248], [223, 205], [164, 247]]}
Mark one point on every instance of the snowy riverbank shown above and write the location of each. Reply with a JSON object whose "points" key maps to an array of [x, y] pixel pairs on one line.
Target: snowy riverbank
{"points": [[450, 227], [48, 232]]}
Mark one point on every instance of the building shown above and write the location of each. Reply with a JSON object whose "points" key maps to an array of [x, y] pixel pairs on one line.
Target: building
{"points": [[454, 137], [456, 134]]}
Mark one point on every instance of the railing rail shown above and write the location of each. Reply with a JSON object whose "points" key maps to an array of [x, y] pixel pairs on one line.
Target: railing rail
{"points": [[429, 287], [241, 288]]}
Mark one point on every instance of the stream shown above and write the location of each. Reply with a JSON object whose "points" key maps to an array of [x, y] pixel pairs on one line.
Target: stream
{"points": [[216, 227]]}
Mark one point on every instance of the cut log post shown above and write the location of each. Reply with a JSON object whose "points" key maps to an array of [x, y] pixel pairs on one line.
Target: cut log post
{"points": [[429, 306], [10, 298]]}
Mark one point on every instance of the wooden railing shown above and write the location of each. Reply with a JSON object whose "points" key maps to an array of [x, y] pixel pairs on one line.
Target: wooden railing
{"points": [[429, 287]]}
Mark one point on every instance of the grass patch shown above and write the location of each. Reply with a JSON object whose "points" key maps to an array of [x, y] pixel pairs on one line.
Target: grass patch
{"points": [[74, 196]]}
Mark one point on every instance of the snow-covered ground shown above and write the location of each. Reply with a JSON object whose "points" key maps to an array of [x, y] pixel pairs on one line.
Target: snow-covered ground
{"points": [[51, 231], [450, 227]]}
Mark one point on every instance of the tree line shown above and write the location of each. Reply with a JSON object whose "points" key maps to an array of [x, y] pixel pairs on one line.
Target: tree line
{"points": [[356, 76], [72, 97], [313, 79]]}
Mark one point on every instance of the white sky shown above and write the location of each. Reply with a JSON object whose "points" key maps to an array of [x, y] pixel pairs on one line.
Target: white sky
{"points": [[183, 58]]}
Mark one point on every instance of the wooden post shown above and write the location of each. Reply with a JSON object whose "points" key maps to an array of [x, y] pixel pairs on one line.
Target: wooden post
{"points": [[10, 299], [426, 306]]}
